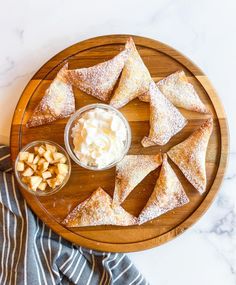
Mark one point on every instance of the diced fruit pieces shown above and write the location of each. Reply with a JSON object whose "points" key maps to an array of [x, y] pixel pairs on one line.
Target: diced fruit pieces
{"points": [[41, 161], [33, 166], [62, 168], [42, 186], [63, 160], [51, 148], [36, 159], [48, 156], [23, 156], [60, 178], [25, 180], [57, 156], [20, 166], [28, 172], [41, 150], [42, 168], [52, 182], [30, 158], [46, 174], [34, 182]]}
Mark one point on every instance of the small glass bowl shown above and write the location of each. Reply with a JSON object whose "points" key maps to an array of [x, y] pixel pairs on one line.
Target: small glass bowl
{"points": [[48, 191], [69, 140]]}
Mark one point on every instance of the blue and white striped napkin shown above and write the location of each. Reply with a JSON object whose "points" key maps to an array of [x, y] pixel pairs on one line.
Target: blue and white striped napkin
{"points": [[30, 253]]}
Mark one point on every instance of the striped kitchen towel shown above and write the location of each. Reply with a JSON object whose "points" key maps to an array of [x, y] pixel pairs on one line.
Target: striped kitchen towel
{"points": [[30, 253]]}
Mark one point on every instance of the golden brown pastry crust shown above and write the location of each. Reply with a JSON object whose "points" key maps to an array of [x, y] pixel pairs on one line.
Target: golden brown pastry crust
{"points": [[179, 92], [165, 119], [130, 172], [135, 78], [57, 103], [97, 210], [190, 155], [99, 80], [167, 195]]}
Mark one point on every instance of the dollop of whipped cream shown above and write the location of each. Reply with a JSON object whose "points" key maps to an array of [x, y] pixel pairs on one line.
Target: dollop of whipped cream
{"points": [[99, 137]]}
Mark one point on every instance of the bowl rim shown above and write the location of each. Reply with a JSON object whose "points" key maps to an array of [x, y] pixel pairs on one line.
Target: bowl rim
{"points": [[76, 115], [42, 193]]}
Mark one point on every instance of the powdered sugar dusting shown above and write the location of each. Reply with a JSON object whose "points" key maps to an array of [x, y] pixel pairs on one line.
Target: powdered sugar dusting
{"points": [[135, 78], [180, 92], [165, 119], [98, 210], [57, 103], [167, 195], [99, 80], [131, 171], [190, 155]]}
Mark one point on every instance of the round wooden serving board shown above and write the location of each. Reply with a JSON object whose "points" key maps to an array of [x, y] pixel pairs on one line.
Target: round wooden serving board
{"points": [[161, 60]]}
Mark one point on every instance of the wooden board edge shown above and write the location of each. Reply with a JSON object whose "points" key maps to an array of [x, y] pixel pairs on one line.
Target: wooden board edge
{"points": [[129, 247]]}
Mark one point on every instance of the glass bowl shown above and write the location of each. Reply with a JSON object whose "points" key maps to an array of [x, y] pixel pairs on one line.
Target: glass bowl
{"points": [[69, 140], [48, 191]]}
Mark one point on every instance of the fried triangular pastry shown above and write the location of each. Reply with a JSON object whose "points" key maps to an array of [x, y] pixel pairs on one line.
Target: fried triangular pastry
{"points": [[180, 92], [190, 155], [167, 195], [135, 78], [97, 210], [57, 103], [130, 172], [165, 119], [99, 80]]}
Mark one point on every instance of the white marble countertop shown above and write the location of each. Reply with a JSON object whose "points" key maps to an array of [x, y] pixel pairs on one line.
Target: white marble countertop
{"points": [[205, 31]]}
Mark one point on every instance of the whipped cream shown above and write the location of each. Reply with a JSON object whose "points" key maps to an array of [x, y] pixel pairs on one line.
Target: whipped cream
{"points": [[99, 137]]}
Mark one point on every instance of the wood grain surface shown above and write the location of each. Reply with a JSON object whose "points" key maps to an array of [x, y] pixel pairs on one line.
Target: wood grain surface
{"points": [[161, 60]]}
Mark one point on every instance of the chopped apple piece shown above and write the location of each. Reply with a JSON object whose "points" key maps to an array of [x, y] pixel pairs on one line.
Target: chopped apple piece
{"points": [[46, 174], [48, 156], [20, 166], [28, 172], [36, 159], [41, 150], [25, 180], [44, 166], [34, 182], [42, 186], [23, 155], [57, 156], [31, 165], [41, 161], [36, 149], [63, 160], [50, 147], [60, 178], [30, 158], [62, 168], [52, 182]]}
